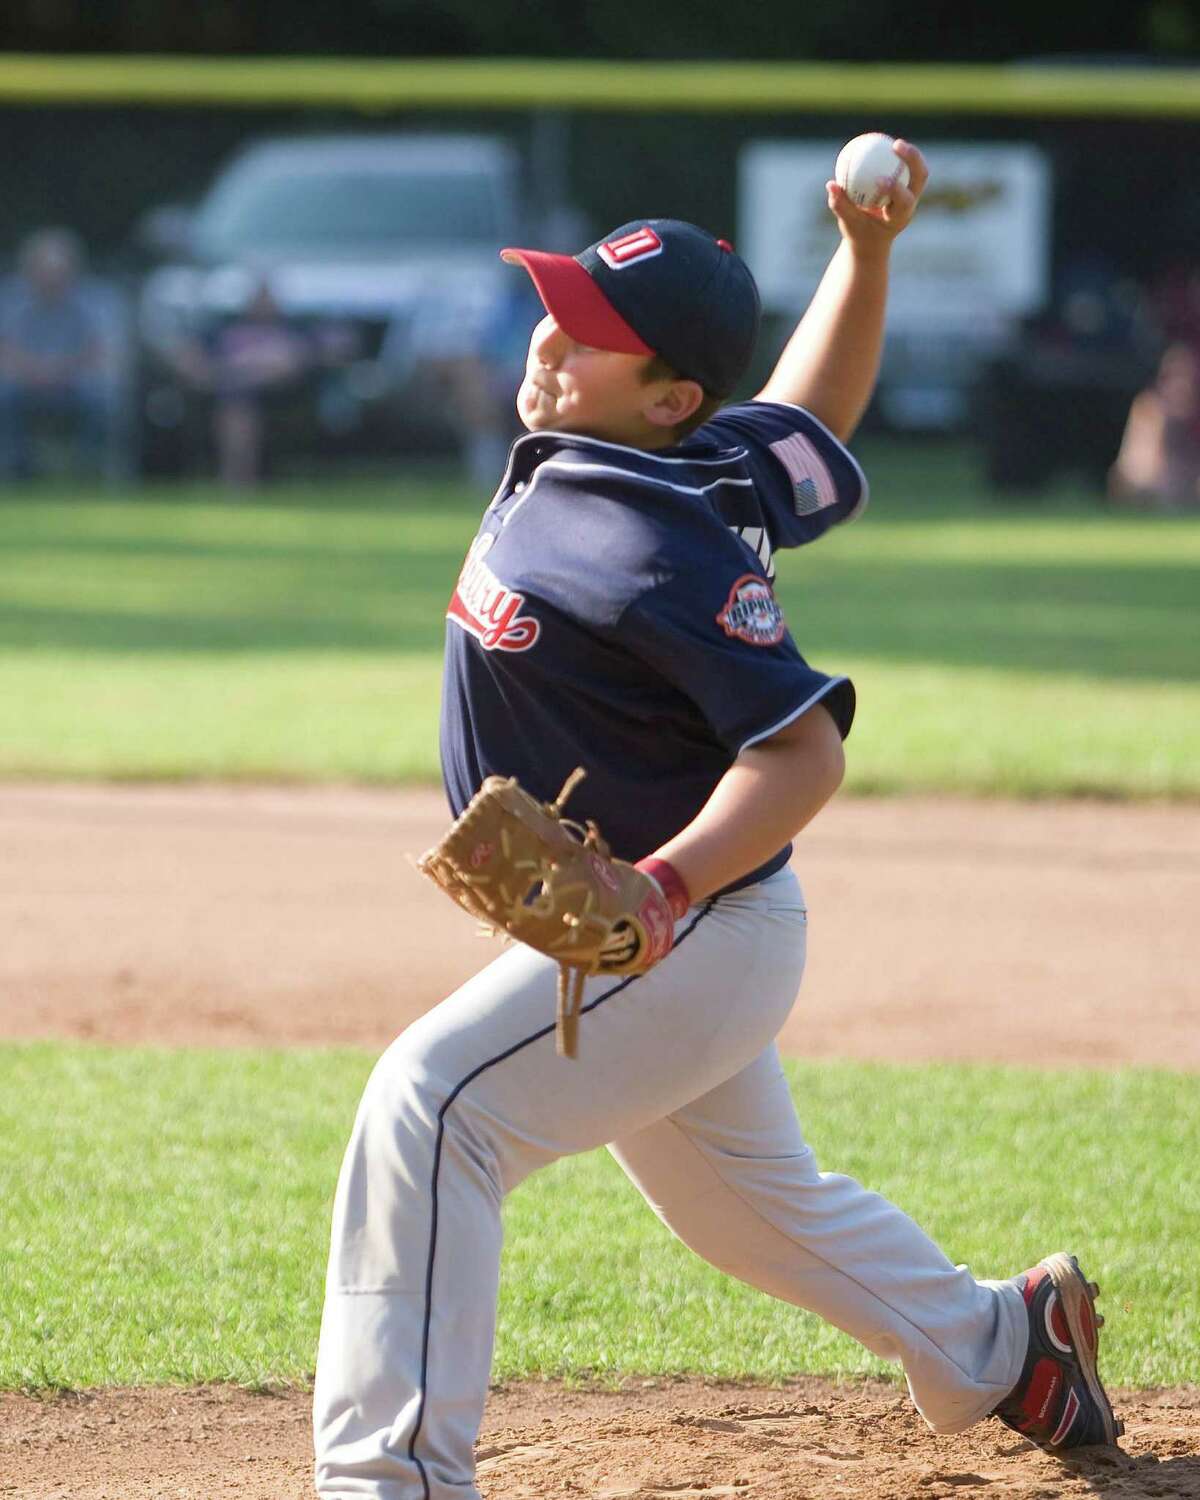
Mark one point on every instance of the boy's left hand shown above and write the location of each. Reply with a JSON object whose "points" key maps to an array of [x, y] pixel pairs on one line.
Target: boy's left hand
{"points": [[875, 228]]}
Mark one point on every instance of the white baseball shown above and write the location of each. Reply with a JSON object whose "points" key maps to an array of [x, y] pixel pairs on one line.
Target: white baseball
{"points": [[869, 169]]}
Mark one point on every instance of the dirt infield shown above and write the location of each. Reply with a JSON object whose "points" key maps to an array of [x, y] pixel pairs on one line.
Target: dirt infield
{"points": [[1045, 933], [1048, 934], [671, 1441]]}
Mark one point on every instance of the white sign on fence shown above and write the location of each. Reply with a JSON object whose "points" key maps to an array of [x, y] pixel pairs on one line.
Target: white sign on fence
{"points": [[976, 255]]}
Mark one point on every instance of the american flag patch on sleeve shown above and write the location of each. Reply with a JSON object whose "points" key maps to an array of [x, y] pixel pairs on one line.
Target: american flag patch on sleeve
{"points": [[813, 488]]}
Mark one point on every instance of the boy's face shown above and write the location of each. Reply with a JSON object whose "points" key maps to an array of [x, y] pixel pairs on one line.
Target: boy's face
{"points": [[597, 393]]}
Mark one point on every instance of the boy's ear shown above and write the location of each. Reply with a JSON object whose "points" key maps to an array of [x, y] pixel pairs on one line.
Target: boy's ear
{"points": [[676, 404]]}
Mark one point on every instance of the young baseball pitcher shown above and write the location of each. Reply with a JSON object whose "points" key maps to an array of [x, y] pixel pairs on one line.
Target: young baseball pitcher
{"points": [[616, 613]]}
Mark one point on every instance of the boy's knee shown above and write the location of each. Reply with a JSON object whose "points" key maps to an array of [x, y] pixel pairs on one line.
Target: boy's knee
{"points": [[401, 1093]]}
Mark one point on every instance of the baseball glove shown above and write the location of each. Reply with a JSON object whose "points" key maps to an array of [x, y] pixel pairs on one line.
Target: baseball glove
{"points": [[522, 869]]}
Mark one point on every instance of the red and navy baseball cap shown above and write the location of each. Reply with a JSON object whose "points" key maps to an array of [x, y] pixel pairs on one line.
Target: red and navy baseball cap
{"points": [[655, 286]]}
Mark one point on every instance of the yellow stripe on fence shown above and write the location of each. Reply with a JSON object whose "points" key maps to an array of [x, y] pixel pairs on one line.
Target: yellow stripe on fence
{"points": [[874, 89]]}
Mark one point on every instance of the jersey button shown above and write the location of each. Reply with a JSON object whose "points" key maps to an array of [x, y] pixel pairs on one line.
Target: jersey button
{"points": [[518, 487]]}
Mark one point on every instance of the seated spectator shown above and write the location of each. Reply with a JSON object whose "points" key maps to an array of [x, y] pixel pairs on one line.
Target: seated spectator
{"points": [[1158, 466], [248, 364], [1175, 303], [476, 356], [53, 359]]}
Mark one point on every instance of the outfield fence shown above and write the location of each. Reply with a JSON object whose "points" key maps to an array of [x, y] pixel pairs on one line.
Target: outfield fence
{"points": [[95, 142], [641, 87]]}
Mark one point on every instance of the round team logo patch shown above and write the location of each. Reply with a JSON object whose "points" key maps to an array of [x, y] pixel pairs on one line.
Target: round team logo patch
{"points": [[752, 613]]}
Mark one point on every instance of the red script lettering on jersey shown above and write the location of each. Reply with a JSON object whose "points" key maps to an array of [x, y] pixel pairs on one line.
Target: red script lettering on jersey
{"points": [[487, 609]]}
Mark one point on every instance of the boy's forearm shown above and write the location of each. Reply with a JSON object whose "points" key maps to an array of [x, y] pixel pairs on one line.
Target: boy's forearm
{"points": [[831, 362], [766, 797]]}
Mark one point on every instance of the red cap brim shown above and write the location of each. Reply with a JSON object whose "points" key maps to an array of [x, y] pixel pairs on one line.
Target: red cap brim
{"points": [[576, 303]]}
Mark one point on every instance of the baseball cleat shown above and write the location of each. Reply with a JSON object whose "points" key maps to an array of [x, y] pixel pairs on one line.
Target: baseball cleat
{"points": [[1059, 1403]]}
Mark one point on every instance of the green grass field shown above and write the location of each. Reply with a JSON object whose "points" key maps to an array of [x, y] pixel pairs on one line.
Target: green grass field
{"points": [[166, 1218], [165, 1213], [1051, 649]]}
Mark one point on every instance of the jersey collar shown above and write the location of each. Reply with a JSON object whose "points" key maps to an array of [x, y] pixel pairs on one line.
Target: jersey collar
{"points": [[532, 448]]}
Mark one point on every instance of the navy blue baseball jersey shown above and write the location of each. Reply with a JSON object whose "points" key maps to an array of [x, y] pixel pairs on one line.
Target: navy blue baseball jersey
{"points": [[616, 611]]}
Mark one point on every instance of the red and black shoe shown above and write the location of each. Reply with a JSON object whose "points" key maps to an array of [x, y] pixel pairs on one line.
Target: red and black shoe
{"points": [[1059, 1402]]}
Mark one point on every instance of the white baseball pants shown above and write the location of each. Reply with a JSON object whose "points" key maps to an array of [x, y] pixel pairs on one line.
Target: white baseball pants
{"points": [[679, 1075]]}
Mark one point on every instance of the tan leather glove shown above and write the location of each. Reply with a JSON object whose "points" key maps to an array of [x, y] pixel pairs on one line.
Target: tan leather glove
{"points": [[520, 868]]}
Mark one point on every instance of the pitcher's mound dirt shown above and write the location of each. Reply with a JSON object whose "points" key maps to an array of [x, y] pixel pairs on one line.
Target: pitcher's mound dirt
{"points": [[1058, 933], [673, 1441]]}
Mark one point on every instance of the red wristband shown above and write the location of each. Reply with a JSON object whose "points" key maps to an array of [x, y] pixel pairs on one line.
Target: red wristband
{"points": [[669, 881]]}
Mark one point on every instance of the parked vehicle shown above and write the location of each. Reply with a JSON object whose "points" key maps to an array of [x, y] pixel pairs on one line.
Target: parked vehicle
{"points": [[381, 247]]}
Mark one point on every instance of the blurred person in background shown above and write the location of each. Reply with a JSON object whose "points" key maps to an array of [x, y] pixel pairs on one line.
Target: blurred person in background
{"points": [[1158, 466], [1055, 399], [477, 355], [1175, 304], [54, 356], [250, 365]]}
